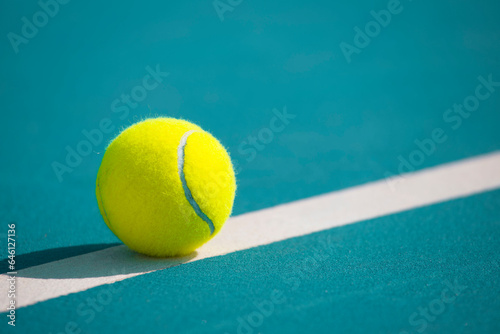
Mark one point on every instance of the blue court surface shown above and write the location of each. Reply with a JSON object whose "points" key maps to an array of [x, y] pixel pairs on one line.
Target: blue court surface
{"points": [[365, 139]]}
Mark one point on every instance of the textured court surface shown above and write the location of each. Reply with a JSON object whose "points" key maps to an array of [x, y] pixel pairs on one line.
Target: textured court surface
{"points": [[300, 119]]}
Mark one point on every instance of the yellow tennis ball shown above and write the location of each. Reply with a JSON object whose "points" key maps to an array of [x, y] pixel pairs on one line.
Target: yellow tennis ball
{"points": [[165, 187]]}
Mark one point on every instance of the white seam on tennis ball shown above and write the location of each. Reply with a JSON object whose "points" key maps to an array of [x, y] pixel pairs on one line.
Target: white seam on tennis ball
{"points": [[182, 176]]}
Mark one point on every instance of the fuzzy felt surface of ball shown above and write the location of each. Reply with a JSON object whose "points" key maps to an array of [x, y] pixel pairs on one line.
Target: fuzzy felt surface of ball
{"points": [[165, 187]]}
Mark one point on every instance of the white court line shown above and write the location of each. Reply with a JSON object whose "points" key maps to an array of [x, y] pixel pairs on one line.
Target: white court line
{"points": [[376, 199]]}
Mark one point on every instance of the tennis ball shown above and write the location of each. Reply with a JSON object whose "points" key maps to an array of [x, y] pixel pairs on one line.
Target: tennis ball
{"points": [[165, 187]]}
